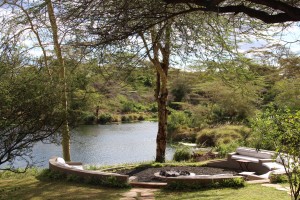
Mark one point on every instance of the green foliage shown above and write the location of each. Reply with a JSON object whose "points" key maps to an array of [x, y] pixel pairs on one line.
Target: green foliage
{"points": [[229, 183], [30, 111], [178, 119], [89, 118], [279, 129], [153, 107], [279, 178], [182, 153], [223, 149], [105, 118], [128, 106], [287, 93], [180, 89]]}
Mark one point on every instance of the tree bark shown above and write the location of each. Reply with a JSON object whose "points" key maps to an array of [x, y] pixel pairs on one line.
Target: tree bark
{"points": [[62, 75], [162, 97]]}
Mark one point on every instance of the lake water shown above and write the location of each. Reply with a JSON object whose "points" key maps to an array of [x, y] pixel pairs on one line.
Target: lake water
{"points": [[107, 145]]}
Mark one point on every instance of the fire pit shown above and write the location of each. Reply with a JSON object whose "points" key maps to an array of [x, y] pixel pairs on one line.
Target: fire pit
{"points": [[176, 173]]}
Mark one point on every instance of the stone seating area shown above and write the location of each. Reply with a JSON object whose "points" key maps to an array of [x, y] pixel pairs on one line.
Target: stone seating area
{"points": [[253, 164], [262, 160], [251, 154], [75, 168]]}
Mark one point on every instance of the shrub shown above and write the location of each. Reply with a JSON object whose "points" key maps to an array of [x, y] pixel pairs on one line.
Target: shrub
{"points": [[224, 149], [180, 89], [176, 105], [176, 120], [115, 118], [279, 178], [153, 108], [128, 106], [141, 118], [230, 183], [182, 154], [105, 118], [89, 119], [124, 118]]}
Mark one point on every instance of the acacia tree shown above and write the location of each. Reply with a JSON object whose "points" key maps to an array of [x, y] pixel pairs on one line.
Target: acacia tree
{"points": [[28, 104], [180, 37], [110, 21], [32, 25]]}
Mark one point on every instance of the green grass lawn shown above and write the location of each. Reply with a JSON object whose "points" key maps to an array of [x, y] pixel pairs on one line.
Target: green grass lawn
{"points": [[27, 186], [250, 192]]}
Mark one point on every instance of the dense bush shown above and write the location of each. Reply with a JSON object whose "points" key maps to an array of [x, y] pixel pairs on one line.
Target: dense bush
{"points": [[230, 183], [224, 149], [128, 106], [153, 108], [182, 154], [89, 119], [105, 118], [178, 119], [279, 178], [180, 89]]}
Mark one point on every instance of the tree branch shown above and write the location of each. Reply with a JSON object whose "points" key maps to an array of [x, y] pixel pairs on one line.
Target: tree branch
{"points": [[284, 12]]}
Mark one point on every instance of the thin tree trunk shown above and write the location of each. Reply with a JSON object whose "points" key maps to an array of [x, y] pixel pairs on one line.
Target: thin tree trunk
{"points": [[162, 97], [160, 46], [62, 74]]}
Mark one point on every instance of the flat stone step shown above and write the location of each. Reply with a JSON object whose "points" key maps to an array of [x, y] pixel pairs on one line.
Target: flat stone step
{"points": [[148, 184]]}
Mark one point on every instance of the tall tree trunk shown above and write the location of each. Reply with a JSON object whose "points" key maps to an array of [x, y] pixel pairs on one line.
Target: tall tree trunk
{"points": [[62, 74], [162, 97]]}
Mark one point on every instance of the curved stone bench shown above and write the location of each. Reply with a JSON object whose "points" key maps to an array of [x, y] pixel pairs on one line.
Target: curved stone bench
{"points": [[73, 168]]}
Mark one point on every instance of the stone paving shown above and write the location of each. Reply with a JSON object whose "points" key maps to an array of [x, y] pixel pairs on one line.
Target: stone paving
{"points": [[139, 194]]}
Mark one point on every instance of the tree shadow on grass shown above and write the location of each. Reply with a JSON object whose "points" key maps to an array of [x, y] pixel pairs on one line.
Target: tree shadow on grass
{"points": [[41, 188]]}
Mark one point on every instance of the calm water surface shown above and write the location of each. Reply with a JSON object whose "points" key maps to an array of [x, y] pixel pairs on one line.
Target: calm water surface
{"points": [[107, 144]]}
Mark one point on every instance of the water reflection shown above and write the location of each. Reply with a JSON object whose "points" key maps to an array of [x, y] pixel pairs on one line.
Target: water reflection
{"points": [[107, 144]]}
